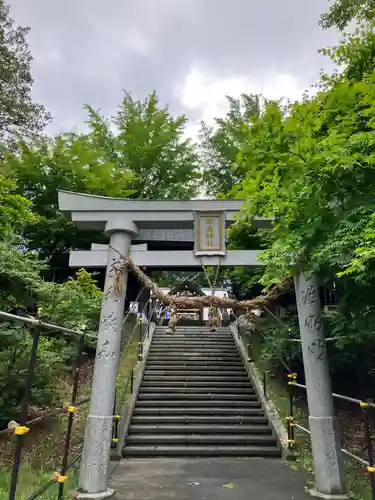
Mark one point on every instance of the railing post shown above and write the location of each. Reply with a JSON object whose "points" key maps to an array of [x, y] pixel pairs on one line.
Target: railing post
{"points": [[265, 383], [116, 419], [290, 420], [71, 410], [140, 342], [21, 429], [250, 352], [370, 453]]}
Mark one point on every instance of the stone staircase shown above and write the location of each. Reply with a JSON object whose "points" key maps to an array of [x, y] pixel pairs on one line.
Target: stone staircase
{"points": [[196, 400]]}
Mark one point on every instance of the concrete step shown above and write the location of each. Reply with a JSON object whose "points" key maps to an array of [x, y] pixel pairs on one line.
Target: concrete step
{"points": [[192, 328], [215, 347], [193, 348], [194, 378], [192, 333], [202, 410], [200, 429], [166, 339], [196, 395], [189, 353], [202, 359], [196, 372], [194, 383], [197, 328], [167, 419], [193, 353], [199, 439], [201, 451], [196, 399], [191, 389], [211, 363], [200, 342], [196, 348], [195, 337], [195, 403], [194, 368]]}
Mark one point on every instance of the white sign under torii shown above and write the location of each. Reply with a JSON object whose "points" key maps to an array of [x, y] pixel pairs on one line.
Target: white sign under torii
{"points": [[209, 232]]}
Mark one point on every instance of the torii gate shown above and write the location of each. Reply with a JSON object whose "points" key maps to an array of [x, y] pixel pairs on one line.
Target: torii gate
{"points": [[202, 223]]}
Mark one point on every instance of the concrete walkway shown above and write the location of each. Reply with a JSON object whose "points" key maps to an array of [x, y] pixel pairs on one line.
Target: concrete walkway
{"points": [[207, 479]]}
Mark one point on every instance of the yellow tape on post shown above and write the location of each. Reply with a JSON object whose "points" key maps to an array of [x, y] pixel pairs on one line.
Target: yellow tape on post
{"points": [[20, 430], [58, 478]]}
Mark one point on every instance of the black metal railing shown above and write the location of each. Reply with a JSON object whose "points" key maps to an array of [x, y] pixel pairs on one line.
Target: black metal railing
{"points": [[24, 425], [247, 340], [367, 406], [141, 333]]}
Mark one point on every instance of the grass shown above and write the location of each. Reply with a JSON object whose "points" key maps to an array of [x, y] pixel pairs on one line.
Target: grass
{"points": [[42, 453], [357, 481]]}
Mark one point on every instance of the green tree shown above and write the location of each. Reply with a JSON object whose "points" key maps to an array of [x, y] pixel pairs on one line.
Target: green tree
{"points": [[311, 167], [140, 153], [311, 170], [32, 168], [18, 113], [219, 145], [73, 304], [15, 209], [70, 162], [341, 12], [146, 140]]}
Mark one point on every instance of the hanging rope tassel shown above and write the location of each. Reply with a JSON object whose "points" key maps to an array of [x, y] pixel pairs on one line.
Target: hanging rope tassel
{"points": [[173, 320], [213, 311]]}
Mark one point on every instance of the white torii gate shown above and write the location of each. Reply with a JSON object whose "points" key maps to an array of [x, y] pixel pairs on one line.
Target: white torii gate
{"points": [[200, 221], [203, 222]]}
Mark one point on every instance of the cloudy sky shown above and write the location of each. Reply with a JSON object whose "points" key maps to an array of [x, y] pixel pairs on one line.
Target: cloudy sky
{"points": [[192, 52]]}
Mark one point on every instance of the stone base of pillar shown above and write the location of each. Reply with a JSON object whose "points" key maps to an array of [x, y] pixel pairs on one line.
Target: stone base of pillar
{"points": [[95, 496], [316, 494], [329, 469], [97, 448]]}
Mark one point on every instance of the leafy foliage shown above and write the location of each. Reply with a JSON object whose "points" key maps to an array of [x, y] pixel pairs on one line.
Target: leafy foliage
{"points": [[219, 145], [15, 209], [149, 143], [309, 165], [74, 304], [312, 169], [341, 12], [18, 114], [146, 158], [68, 162]]}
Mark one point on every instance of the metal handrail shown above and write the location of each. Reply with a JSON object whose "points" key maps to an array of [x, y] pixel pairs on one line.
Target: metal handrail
{"points": [[23, 427]]}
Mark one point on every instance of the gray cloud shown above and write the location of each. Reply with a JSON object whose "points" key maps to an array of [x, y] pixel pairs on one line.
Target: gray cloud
{"points": [[88, 51]]}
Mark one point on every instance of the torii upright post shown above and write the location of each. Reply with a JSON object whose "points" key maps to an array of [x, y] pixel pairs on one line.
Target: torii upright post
{"points": [[325, 436], [94, 472]]}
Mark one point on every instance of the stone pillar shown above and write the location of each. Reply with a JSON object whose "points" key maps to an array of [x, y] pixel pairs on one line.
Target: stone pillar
{"points": [[325, 436], [93, 481]]}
